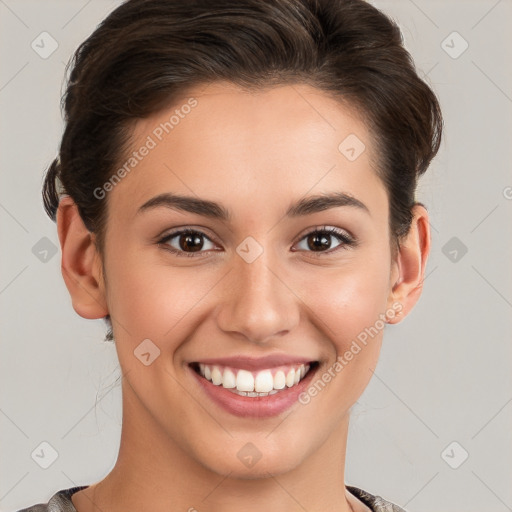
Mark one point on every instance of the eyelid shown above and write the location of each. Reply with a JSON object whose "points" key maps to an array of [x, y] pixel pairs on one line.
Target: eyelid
{"points": [[180, 229], [166, 236], [326, 227], [346, 239]]}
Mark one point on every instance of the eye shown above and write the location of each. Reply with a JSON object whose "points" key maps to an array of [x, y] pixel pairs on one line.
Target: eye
{"points": [[318, 240], [190, 241], [187, 240]]}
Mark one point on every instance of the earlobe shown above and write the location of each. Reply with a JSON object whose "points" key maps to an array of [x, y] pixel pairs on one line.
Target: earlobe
{"points": [[81, 263], [411, 263]]}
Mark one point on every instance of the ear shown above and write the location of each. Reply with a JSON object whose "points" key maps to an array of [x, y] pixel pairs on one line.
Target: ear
{"points": [[409, 271], [81, 263]]}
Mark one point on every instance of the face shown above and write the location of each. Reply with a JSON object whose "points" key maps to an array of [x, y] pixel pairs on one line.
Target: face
{"points": [[270, 278]]}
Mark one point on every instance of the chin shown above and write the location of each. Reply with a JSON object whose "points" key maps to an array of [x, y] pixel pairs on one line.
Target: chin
{"points": [[250, 462]]}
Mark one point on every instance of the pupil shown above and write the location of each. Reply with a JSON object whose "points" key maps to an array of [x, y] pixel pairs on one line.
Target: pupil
{"points": [[323, 242], [190, 239]]}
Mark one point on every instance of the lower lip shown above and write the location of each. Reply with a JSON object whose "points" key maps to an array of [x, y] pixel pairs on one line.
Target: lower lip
{"points": [[260, 406]]}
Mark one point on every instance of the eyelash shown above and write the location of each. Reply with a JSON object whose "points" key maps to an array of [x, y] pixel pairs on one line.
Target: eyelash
{"points": [[346, 241]]}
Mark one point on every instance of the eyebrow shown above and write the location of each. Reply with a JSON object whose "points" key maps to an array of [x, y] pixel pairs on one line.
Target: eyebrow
{"points": [[211, 209]]}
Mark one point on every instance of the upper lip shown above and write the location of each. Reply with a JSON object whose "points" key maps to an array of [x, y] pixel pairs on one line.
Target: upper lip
{"points": [[256, 363]]}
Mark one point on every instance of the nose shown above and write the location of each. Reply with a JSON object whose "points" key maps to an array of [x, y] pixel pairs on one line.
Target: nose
{"points": [[260, 302]]}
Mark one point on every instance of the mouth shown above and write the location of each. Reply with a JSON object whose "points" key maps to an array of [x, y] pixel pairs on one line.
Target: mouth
{"points": [[260, 394], [254, 384]]}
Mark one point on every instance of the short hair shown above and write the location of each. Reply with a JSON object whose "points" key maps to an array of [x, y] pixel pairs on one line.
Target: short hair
{"points": [[147, 52]]}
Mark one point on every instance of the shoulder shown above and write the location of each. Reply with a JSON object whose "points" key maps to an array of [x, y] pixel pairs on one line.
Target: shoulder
{"points": [[40, 507], [59, 502], [374, 502]]}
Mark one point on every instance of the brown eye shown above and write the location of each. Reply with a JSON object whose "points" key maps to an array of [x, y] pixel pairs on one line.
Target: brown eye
{"points": [[320, 240], [189, 241]]}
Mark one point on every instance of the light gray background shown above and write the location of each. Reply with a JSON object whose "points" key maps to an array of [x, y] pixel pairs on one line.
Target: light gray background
{"points": [[444, 373]]}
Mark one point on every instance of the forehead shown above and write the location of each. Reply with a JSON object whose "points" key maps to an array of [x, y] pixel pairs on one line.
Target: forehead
{"points": [[268, 144]]}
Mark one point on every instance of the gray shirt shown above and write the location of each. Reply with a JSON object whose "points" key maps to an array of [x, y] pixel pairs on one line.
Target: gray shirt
{"points": [[61, 501]]}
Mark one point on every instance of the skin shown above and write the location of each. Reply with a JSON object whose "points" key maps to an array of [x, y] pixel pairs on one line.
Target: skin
{"points": [[266, 150]]}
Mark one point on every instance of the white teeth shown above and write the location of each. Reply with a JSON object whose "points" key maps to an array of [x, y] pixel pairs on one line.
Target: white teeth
{"points": [[228, 379], [290, 378], [216, 376], [264, 382], [244, 381], [253, 393], [279, 380], [260, 383]]}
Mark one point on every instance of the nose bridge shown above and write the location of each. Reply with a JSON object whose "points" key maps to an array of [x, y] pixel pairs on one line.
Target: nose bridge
{"points": [[258, 303]]}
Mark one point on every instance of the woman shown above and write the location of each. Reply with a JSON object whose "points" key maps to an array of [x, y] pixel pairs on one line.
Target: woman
{"points": [[235, 195]]}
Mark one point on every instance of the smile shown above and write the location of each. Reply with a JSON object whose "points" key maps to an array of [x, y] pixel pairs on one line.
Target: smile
{"points": [[253, 384], [254, 392]]}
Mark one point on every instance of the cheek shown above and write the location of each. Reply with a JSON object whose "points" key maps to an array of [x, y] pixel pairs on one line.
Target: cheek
{"points": [[350, 298], [150, 299], [153, 300]]}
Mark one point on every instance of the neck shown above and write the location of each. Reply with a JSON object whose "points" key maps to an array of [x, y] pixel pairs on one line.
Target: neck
{"points": [[154, 472]]}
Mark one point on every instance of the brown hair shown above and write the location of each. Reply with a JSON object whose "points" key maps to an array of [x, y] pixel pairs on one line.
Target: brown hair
{"points": [[146, 52]]}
